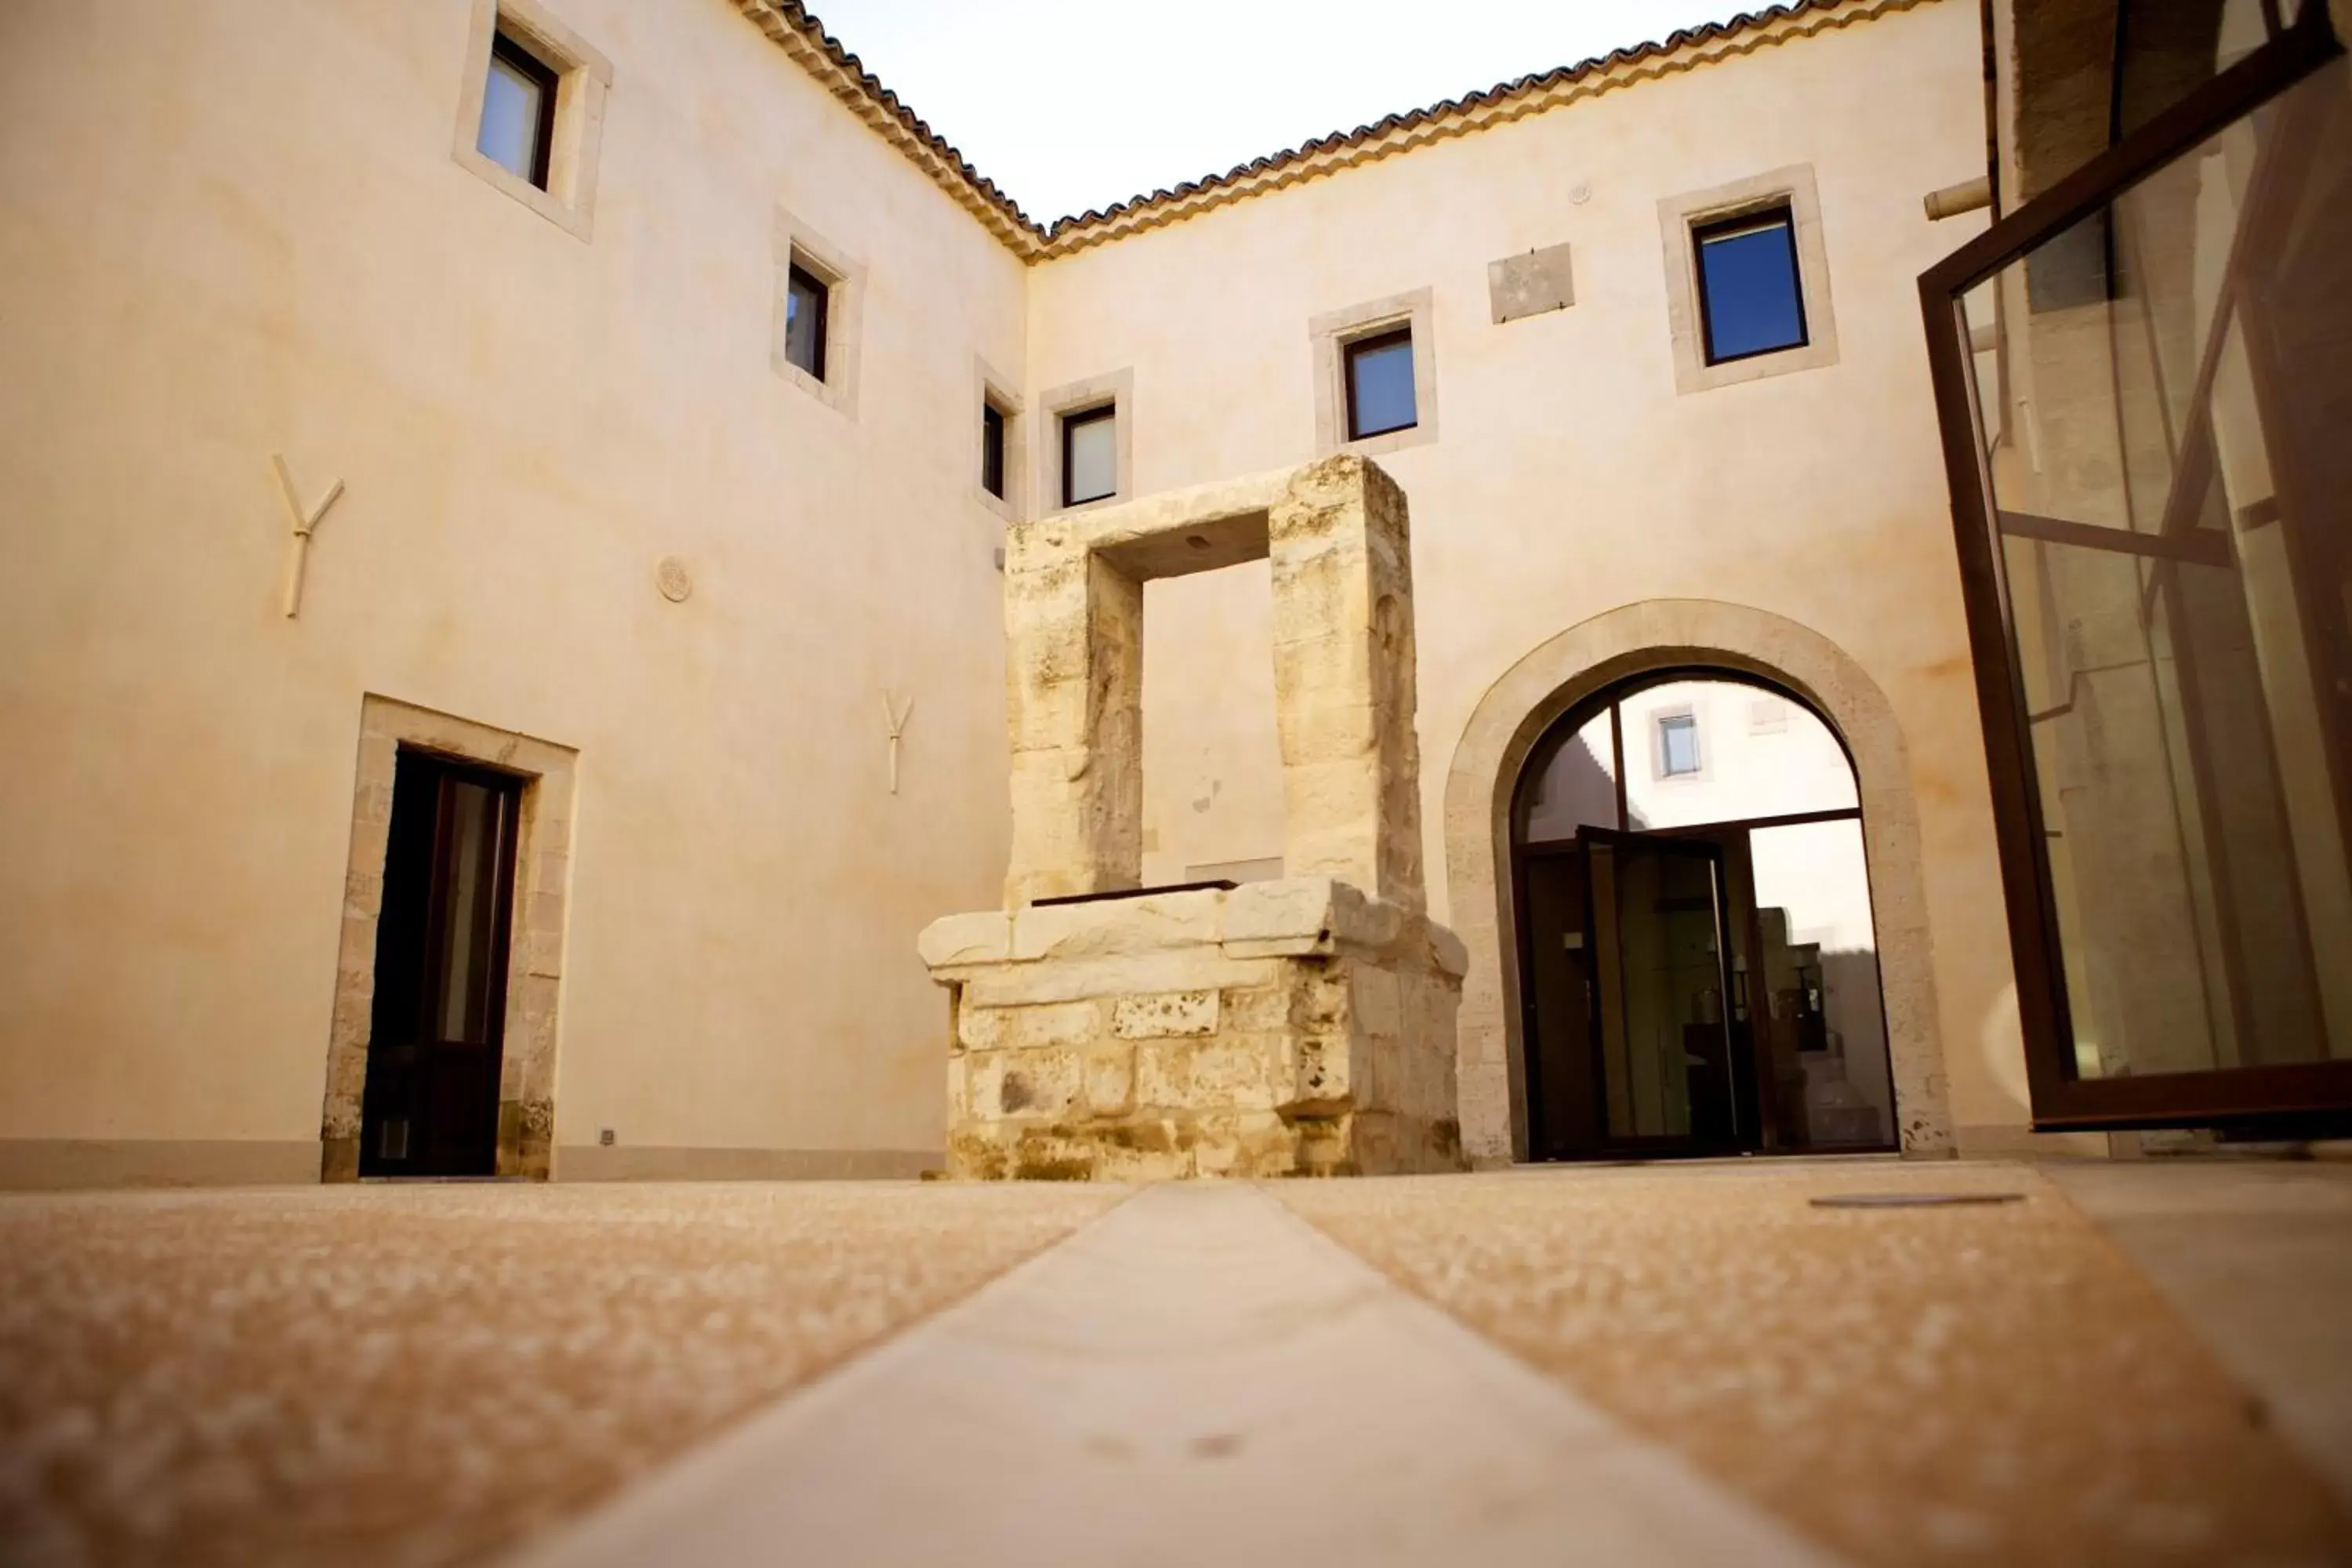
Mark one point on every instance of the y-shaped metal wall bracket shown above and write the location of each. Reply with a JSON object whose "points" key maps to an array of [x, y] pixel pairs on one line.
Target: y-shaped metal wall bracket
{"points": [[896, 717], [304, 522]]}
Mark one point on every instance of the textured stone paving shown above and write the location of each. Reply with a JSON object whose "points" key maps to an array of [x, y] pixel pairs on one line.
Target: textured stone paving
{"points": [[1196, 1379], [1991, 1384], [417, 1375], [1638, 1365]]}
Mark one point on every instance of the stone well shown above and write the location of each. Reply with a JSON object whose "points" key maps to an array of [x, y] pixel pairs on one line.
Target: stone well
{"points": [[1104, 1030]]}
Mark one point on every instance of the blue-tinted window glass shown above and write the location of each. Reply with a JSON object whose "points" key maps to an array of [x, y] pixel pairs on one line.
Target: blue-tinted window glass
{"points": [[513, 110], [1748, 289], [1380, 386]]}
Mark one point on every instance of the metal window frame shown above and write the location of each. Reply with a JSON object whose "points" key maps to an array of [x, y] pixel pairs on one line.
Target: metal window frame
{"points": [[508, 50], [991, 448], [1072, 420], [802, 279], [1782, 215], [1354, 348], [2276, 1097]]}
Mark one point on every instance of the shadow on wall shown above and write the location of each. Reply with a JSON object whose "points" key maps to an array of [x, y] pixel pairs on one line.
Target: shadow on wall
{"points": [[1574, 790]]}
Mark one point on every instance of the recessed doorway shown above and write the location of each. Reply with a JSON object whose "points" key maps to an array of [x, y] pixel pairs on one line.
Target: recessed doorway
{"points": [[1699, 966], [437, 1034]]}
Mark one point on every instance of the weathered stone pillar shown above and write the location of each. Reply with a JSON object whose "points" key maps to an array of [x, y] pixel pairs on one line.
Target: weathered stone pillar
{"points": [[1304, 1026], [1343, 679], [1074, 624]]}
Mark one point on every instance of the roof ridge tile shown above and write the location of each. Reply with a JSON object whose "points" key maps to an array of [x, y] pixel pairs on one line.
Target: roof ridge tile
{"points": [[790, 25]]}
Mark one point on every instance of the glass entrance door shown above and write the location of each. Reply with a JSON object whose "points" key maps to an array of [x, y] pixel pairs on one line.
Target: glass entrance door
{"points": [[1656, 930], [2144, 377]]}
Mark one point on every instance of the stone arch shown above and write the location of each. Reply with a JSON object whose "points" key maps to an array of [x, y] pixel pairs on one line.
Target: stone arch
{"points": [[1634, 639]]}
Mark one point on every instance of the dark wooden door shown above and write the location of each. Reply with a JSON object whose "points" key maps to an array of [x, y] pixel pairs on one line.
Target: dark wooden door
{"points": [[431, 1100]]}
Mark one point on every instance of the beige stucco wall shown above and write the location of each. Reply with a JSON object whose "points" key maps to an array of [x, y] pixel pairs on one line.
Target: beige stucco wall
{"points": [[1568, 477], [235, 227]]}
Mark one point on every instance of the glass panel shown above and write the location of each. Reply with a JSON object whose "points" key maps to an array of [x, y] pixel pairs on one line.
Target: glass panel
{"points": [[1664, 1052], [1819, 962], [1092, 453], [1379, 387], [511, 107], [804, 303], [476, 827], [1746, 773], [1575, 787], [2166, 50], [2179, 383], [1678, 744], [991, 450], [1748, 287]]}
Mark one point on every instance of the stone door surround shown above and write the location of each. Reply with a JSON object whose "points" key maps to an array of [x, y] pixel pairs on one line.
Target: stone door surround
{"points": [[534, 957], [1336, 536], [1661, 634]]}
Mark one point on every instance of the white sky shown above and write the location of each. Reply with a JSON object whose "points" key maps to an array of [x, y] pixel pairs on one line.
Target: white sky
{"points": [[1071, 104]]}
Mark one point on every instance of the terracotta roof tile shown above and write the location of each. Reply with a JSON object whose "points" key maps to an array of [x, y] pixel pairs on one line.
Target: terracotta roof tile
{"points": [[789, 24]]}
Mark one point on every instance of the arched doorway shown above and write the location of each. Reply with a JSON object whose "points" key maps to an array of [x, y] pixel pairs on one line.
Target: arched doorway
{"points": [[1698, 961]]}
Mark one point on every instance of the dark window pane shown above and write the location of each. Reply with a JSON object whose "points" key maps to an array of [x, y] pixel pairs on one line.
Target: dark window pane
{"points": [[1748, 290], [805, 306], [1090, 457], [991, 450], [1380, 386], [518, 112]]}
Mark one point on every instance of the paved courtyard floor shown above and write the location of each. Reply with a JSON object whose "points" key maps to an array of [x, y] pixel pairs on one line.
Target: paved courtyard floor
{"points": [[1649, 1364]]}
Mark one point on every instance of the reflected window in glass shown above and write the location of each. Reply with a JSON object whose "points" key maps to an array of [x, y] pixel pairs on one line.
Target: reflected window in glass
{"points": [[806, 301], [991, 449], [1677, 745]]}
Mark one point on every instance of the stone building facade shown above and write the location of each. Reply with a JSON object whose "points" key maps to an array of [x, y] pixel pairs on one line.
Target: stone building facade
{"points": [[313, 436]]}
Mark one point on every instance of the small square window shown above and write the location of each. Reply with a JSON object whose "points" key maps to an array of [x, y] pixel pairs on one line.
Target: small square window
{"points": [[991, 449], [1677, 745], [1089, 455], [1380, 385], [517, 130], [1751, 297], [806, 297]]}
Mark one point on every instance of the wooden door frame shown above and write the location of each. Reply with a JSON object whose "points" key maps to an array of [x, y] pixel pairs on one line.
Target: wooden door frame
{"points": [[442, 774]]}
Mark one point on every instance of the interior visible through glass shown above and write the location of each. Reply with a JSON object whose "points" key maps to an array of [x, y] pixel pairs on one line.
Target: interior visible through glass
{"points": [[2165, 428], [1698, 956]]}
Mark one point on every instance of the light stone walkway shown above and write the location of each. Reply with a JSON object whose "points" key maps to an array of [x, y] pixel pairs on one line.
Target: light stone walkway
{"points": [[1687, 1364], [1198, 1377]]}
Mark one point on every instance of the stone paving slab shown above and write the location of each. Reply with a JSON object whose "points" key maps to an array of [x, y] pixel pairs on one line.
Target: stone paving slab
{"points": [[1196, 1379], [1983, 1385], [418, 1374], [2257, 1254]]}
